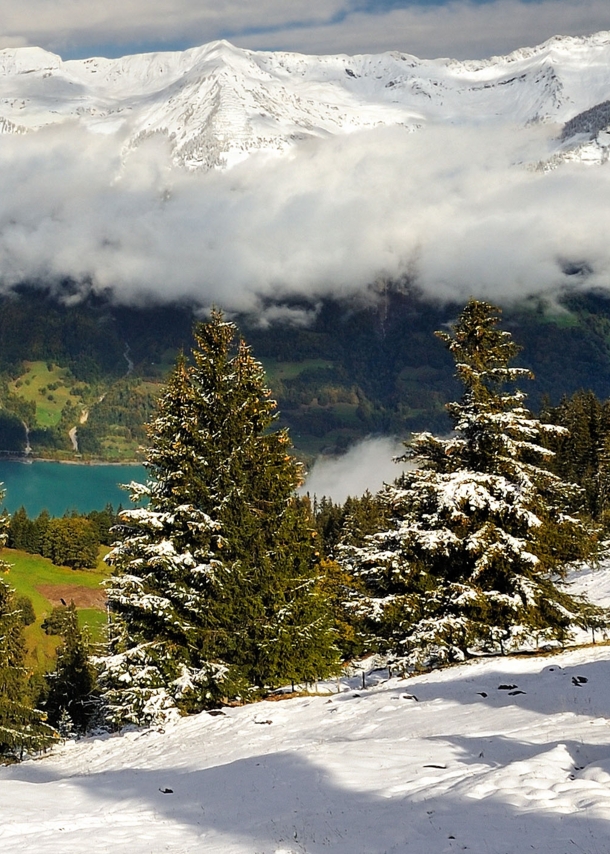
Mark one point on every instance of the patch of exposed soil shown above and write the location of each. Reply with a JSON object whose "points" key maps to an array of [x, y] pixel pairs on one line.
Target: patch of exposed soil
{"points": [[83, 597]]}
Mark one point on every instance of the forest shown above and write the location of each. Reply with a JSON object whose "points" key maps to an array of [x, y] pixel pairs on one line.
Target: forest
{"points": [[83, 377], [226, 586]]}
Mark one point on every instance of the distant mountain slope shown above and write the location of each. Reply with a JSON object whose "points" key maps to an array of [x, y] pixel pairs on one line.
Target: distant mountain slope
{"points": [[216, 104], [355, 370], [586, 137]]}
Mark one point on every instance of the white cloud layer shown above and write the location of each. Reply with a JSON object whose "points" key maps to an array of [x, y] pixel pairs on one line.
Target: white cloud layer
{"points": [[367, 465], [70, 24], [458, 28], [453, 207]]}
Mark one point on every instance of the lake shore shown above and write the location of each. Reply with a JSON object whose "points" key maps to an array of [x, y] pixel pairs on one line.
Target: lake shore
{"points": [[29, 459], [85, 462]]}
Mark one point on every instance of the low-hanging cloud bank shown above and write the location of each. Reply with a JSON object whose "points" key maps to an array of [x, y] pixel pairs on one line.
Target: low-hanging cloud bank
{"points": [[366, 466], [456, 209]]}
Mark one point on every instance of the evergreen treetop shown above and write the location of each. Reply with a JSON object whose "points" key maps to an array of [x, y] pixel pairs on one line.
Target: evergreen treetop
{"points": [[481, 530]]}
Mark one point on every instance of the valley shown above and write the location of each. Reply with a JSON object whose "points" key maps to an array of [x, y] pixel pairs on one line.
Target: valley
{"points": [[339, 324], [356, 370]]}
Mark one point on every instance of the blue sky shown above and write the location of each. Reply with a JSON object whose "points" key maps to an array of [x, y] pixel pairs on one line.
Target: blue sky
{"points": [[426, 28]]}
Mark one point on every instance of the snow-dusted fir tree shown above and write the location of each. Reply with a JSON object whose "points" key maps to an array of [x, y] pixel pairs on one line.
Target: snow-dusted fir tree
{"points": [[216, 588], [71, 699], [481, 531], [23, 729]]}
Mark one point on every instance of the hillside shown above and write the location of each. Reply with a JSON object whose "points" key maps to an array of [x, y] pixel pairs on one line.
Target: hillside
{"points": [[84, 378], [46, 585], [497, 757]]}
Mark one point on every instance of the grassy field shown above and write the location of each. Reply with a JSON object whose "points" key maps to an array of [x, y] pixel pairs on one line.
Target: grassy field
{"points": [[289, 370], [48, 386], [119, 449], [46, 584]]}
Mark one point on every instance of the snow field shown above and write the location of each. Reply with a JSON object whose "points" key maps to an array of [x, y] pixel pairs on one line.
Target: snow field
{"points": [[449, 761]]}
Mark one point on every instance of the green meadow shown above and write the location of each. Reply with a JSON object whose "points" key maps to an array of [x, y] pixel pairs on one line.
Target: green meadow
{"points": [[276, 370], [48, 386], [46, 584]]}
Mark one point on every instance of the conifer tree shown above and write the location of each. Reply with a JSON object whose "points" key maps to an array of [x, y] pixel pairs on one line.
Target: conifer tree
{"points": [[22, 727], [582, 455], [481, 531], [41, 524], [216, 587], [71, 699], [20, 531], [349, 523], [71, 541]]}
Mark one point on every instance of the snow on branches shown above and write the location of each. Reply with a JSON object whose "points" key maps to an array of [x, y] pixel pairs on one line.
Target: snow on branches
{"points": [[215, 593], [481, 530]]}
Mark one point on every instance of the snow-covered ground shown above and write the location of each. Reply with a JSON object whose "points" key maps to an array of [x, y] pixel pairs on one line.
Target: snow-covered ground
{"points": [[501, 756]]}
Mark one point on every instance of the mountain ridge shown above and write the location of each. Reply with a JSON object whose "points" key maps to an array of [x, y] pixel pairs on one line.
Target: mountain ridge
{"points": [[217, 104]]}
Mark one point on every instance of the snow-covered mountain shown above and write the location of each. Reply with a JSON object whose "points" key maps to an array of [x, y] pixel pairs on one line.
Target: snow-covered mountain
{"points": [[344, 171], [216, 104]]}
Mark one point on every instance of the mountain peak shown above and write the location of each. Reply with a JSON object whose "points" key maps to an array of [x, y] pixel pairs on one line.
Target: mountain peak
{"points": [[218, 103], [24, 60]]}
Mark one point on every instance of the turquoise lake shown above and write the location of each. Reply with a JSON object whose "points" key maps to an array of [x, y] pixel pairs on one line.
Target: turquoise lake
{"points": [[57, 487]]}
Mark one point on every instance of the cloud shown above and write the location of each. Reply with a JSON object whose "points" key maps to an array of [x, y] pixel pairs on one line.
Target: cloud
{"points": [[457, 28], [368, 465], [78, 25], [454, 208]]}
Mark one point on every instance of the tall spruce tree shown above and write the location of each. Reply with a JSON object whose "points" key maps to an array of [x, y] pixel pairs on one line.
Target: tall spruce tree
{"points": [[71, 700], [23, 729], [216, 588], [582, 455], [481, 530]]}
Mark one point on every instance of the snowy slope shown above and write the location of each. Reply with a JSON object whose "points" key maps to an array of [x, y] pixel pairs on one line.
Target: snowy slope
{"points": [[467, 766], [501, 756], [217, 103]]}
